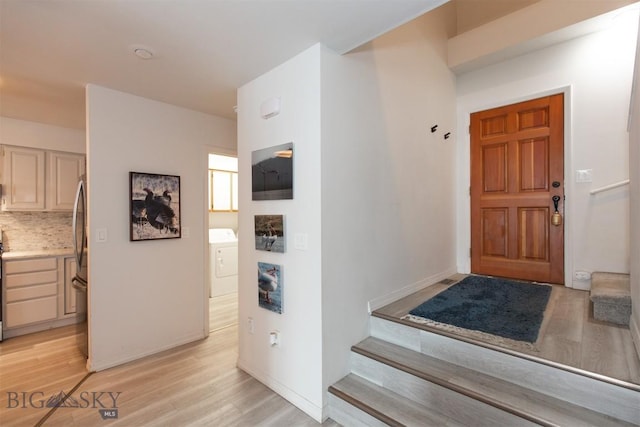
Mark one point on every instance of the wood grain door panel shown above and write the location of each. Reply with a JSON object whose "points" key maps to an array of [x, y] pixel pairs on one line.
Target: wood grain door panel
{"points": [[517, 152]]}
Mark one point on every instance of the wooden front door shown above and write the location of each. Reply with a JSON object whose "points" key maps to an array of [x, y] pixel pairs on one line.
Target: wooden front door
{"points": [[517, 167]]}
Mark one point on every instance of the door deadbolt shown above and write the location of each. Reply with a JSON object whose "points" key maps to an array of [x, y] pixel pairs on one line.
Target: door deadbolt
{"points": [[555, 184]]}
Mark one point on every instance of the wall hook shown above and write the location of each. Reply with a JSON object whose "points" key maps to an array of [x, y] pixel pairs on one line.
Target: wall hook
{"points": [[447, 135], [433, 128]]}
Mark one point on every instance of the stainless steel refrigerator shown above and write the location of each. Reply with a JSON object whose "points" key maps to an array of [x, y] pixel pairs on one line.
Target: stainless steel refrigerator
{"points": [[80, 281]]}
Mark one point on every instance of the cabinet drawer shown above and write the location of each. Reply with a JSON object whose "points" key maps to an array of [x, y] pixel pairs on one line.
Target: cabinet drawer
{"points": [[29, 265], [29, 292], [36, 278], [31, 311]]}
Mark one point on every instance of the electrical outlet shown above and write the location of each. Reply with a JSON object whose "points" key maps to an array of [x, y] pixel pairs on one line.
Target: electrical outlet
{"points": [[250, 325], [274, 338], [582, 275]]}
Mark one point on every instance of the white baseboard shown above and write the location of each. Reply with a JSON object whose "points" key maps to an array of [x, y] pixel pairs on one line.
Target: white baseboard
{"points": [[294, 398], [93, 366], [583, 285], [634, 328], [376, 303], [44, 326]]}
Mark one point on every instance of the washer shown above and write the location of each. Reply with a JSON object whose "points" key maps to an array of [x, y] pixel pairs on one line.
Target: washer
{"points": [[223, 253]]}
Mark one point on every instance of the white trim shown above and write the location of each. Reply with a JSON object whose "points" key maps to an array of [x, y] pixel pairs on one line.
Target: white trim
{"points": [[300, 402], [634, 329], [569, 186], [378, 302], [205, 251], [209, 149], [93, 366]]}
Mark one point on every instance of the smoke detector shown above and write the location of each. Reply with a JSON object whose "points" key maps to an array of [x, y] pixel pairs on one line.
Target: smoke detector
{"points": [[142, 52]]}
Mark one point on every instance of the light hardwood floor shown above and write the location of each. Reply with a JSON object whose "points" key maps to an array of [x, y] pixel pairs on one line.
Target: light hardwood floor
{"points": [[568, 335], [223, 311], [194, 384]]}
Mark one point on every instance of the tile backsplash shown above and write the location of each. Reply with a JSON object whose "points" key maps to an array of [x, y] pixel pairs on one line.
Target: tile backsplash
{"points": [[30, 231]]}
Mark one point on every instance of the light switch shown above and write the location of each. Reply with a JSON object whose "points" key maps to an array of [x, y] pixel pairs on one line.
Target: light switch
{"points": [[186, 232], [101, 235], [584, 175], [301, 241]]}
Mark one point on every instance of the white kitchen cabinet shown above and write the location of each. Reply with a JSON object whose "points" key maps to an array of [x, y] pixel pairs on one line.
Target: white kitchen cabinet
{"points": [[40, 180], [31, 291], [64, 170], [38, 294], [24, 179], [69, 291]]}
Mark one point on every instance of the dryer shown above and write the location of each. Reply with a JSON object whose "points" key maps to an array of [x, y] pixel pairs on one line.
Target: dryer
{"points": [[223, 269]]}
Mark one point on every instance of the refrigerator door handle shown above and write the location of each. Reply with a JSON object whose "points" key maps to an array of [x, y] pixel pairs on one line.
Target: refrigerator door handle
{"points": [[79, 284], [79, 252]]}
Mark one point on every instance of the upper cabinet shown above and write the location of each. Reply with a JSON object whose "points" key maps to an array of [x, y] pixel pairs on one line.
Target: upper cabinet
{"points": [[39, 180], [64, 171], [24, 180]]}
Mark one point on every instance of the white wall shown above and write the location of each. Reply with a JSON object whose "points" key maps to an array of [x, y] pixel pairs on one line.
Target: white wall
{"points": [[146, 296], [39, 135], [295, 368], [373, 191], [595, 72], [634, 189], [388, 183]]}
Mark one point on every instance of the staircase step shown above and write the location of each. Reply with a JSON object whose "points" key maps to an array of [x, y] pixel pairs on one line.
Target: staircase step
{"points": [[617, 399], [503, 395], [384, 405], [611, 296]]}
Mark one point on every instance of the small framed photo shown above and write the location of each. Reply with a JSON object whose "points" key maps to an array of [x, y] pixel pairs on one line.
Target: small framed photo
{"points": [[269, 233], [272, 173], [270, 286], [154, 206]]}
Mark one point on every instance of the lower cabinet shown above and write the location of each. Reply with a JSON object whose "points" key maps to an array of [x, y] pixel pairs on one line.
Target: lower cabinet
{"points": [[38, 294]]}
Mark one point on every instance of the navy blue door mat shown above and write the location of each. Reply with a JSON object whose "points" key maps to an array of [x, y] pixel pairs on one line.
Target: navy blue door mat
{"points": [[499, 311]]}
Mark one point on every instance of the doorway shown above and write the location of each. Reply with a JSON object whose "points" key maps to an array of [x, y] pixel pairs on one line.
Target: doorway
{"points": [[222, 211], [517, 190]]}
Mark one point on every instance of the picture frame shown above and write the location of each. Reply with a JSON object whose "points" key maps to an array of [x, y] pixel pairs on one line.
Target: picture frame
{"points": [[154, 206], [270, 233], [270, 288], [272, 173]]}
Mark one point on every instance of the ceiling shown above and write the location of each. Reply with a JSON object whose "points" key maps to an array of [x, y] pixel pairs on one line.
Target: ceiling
{"points": [[202, 49]]}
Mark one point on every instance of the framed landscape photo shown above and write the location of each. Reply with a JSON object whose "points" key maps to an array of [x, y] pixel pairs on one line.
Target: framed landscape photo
{"points": [[269, 233], [154, 206], [272, 173]]}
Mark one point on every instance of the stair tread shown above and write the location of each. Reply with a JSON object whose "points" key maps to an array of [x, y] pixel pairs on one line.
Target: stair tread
{"points": [[500, 393], [610, 286], [386, 405]]}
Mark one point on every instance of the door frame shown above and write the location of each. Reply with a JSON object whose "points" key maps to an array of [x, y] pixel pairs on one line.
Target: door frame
{"points": [[463, 156], [206, 150]]}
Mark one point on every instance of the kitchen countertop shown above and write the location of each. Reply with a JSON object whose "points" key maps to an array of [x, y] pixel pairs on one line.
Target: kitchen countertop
{"points": [[37, 254]]}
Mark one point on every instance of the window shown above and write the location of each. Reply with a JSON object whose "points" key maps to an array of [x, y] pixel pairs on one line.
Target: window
{"points": [[223, 183]]}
